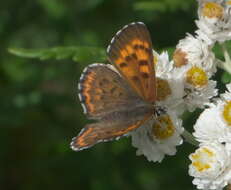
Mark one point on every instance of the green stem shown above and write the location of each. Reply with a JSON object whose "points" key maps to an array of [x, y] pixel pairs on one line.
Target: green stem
{"points": [[189, 138], [227, 64]]}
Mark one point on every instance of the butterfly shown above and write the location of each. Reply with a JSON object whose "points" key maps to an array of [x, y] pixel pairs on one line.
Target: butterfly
{"points": [[120, 96]]}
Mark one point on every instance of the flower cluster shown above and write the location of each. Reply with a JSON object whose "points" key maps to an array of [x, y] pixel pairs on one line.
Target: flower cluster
{"points": [[183, 84], [211, 162], [186, 83]]}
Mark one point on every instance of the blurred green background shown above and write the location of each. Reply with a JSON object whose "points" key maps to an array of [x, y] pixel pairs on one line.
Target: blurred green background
{"points": [[40, 111]]}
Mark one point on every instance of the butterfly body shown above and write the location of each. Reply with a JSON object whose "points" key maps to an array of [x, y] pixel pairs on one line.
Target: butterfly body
{"points": [[121, 97]]}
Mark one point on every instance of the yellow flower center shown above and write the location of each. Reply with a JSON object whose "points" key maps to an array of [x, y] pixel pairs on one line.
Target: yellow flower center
{"points": [[155, 60], [227, 113], [163, 127], [212, 10], [196, 77], [228, 2], [179, 58], [163, 89], [202, 159]]}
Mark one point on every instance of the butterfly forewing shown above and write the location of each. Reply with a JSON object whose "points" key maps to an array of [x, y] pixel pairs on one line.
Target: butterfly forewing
{"points": [[102, 91], [131, 52]]}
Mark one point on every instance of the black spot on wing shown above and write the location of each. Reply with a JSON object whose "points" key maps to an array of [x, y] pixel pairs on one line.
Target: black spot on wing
{"points": [[143, 62], [123, 64], [128, 58], [145, 75], [134, 56], [135, 78]]}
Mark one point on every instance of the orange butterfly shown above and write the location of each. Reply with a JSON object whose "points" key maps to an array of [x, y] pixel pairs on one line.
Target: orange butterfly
{"points": [[119, 98]]}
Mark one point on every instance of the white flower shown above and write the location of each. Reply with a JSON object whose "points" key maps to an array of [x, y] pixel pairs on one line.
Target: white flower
{"points": [[211, 166], [186, 87], [215, 19], [199, 97], [210, 127], [214, 123], [193, 51], [163, 65], [211, 163], [195, 64], [170, 87], [227, 95], [204, 37], [198, 89], [158, 137]]}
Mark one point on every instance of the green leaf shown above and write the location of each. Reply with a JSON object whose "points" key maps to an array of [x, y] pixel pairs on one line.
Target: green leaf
{"points": [[151, 6], [163, 5], [218, 51], [78, 54], [170, 51], [226, 78]]}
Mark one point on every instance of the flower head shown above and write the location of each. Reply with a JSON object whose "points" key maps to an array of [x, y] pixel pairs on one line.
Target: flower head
{"points": [[215, 19], [199, 97], [214, 124], [210, 127], [170, 87], [198, 89], [211, 163], [211, 166], [195, 52], [196, 77], [158, 137]]}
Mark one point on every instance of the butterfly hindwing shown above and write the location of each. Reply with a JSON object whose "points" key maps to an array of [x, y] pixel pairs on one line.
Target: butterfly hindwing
{"points": [[102, 91], [131, 52], [111, 127]]}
